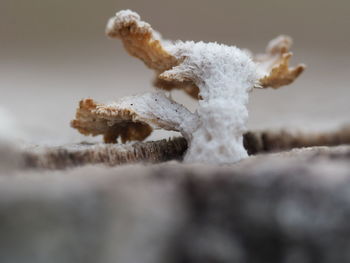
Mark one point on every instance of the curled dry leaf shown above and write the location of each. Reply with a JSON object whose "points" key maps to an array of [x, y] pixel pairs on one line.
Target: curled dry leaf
{"points": [[132, 118], [274, 64], [97, 119]]}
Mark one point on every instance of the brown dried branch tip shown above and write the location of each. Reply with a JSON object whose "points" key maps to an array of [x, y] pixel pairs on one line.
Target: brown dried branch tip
{"points": [[219, 76]]}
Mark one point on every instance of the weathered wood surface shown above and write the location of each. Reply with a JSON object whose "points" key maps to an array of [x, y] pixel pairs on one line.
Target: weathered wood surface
{"points": [[172, 149]]}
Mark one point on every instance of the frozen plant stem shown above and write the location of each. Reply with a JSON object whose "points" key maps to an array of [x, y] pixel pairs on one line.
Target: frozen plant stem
{"points": [[219, 76]]}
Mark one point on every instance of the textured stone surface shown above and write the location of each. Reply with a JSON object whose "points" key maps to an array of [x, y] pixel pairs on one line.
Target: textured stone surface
{"points": [[287, 207]]}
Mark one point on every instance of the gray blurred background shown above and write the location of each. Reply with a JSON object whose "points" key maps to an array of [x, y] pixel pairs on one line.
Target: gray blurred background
{"points": [[54, 53]]}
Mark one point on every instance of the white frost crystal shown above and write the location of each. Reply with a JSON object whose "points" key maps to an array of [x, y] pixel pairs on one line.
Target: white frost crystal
{"points": [[224, 76]]}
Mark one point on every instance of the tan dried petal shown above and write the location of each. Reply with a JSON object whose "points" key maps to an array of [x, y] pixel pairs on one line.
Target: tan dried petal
{"points": [[140, 40], [274, 65], [96, 119]]}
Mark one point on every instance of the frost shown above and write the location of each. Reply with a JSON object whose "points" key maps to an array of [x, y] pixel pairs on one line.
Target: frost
{"points": [[219, 76], [224, 76]]}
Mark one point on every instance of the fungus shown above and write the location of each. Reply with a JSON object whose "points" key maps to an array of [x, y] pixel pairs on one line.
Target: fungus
{"points": [[219, 76]]}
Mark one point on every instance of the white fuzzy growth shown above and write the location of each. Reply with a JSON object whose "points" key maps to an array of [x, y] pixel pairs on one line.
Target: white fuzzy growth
{"points": [[224, 76]]}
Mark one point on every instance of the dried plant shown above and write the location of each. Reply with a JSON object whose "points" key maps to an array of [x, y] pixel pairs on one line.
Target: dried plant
{"points": [[219, 76]]}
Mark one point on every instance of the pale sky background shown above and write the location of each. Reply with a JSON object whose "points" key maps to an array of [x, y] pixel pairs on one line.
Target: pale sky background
{"points": [[54, 53]]}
